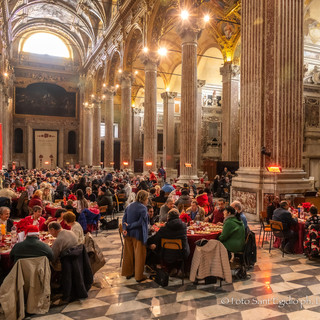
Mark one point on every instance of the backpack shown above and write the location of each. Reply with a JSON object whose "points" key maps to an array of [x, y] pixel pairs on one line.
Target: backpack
{"points": [[250, 250], [109, 225]]}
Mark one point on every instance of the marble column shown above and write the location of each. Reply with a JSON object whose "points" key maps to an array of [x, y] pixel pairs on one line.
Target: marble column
{"points": [[200, 84], [126, 80], [271, 102], [88, 130], [136, 134], [189, 110], [150, 62], [96, 135], [230, 111], [81, 119], [168, 133], [108, 102]]}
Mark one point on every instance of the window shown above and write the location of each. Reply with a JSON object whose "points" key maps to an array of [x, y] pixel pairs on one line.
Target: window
{"points": [[46, 43], [18, 140], [115, 130], [72, 142]]}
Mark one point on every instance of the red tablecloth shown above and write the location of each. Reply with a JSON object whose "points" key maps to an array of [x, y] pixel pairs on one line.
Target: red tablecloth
{"points": [[299, 229], [192, 238]]}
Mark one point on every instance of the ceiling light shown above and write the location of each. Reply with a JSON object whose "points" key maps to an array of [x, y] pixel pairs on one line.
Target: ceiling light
{"points": [[145, 49], [120, 70], [103, 97], [162, 51], [104, 85], [117, 86], [184, 14], [136, 72], [168, 89], [206, 18]]}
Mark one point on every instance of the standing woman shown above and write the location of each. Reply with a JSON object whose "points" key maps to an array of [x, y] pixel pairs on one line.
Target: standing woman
{"points": [[135, 230]]}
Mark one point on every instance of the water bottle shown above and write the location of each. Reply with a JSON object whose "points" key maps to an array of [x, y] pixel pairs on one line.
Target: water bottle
{"points": [[13, 236]]}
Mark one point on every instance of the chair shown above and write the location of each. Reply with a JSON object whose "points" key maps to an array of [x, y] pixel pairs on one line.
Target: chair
{"points": [[121, 200], [121, 239], [116, 203], [263, 227], [277, 231], [103, 210], [174, 244]]}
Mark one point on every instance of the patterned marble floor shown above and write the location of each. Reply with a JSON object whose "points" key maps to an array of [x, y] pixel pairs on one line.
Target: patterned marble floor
{"points": [[279, 288]]}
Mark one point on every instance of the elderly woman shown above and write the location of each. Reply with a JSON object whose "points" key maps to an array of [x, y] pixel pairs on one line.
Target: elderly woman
{"points": [[36, 199], [5, 218], [70, 219], [135, 231]]}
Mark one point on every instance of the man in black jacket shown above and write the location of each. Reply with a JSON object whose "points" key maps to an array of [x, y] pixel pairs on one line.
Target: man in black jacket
{"points": [[290, 237]]}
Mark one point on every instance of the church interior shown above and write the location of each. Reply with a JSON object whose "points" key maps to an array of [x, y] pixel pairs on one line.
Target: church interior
{"points": [[188, 85]]}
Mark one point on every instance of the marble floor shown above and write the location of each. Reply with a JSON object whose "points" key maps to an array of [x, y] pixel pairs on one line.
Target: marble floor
{"points": [[279, 288]]}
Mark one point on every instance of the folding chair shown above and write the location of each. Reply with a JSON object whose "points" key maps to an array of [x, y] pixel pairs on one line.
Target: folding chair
{"points": [[277, 231], [174, 244], [263, 227]]}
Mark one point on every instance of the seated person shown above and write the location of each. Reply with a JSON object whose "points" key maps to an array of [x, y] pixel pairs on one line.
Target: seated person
{"points": [[184, 201], [6, 192], [65, 239], [152, 195], [105, 199], [163, 215], [70, 219], [176, 191], [313, 221], [290, 237], [89, 195], [202, 198], [167, 187], [312, 239], [70, 207], [57, 217], [218, 214], [46, 194], [4, 218], [237, 206], [31, 247], [195, 212], [34, 219], [161, 198], [151, 218], [233, 233], [174, 229], [36, 199]]}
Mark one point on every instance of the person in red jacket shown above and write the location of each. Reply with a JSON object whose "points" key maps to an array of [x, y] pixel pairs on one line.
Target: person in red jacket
{"points": [[152, 177], [202, 199], [36, 199], [34, 219], [217, 216]]}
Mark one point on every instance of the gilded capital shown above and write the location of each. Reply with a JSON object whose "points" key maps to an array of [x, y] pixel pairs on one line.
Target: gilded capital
{"points": [[150, 60], [230, 69], [126, 78], [168, 95], [201, 83], [109, 91]]}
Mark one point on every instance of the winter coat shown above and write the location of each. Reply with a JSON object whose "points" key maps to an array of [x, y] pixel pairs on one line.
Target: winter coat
{"points": [[77, 277], [200, 215], [26, 288], [210, 260], [202, 200], [233, 234], [174, 229], [97, 260]]}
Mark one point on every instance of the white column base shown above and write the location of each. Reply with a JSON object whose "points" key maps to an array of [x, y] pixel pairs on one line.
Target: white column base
{"points": [[97, 168], [186, 179]]}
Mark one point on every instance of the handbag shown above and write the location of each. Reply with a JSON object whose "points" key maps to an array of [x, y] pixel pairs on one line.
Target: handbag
{"points": [[161, 277]]}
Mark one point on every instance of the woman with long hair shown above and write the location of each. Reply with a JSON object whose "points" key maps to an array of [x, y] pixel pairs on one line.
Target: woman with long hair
{"points": [[82, 202]]}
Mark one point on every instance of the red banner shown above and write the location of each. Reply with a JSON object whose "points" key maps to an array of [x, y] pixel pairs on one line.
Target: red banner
{"points": [[0, 146]]}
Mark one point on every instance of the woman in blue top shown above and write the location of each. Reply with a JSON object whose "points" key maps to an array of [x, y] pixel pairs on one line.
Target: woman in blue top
{"points": [[135, 231]]}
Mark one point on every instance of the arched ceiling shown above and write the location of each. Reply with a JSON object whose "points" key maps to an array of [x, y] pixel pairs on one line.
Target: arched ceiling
{"points": [[79, 22]]}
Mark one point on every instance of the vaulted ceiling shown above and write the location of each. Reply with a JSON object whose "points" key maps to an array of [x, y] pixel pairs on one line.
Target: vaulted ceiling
{"points": [[79, 22]]}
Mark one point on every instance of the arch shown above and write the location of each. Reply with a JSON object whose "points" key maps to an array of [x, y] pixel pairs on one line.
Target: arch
{"points": [[113, 66], [18, 140], [72, 146], [134, 44]]}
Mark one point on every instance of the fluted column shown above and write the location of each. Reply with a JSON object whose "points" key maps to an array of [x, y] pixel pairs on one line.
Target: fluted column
{"points": [[230, 111], [189, 110], [109, 93], [200, 84], [150, 62], [136, 135], [271, 101], [88, 141], [126, 122], [168, 133], [96, 135], [81, 86]]}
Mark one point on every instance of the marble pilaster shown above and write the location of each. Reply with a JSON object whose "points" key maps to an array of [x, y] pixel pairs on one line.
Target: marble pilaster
{"points": [[96, 134], [109, 93], [136, 134], [126, 80], [88, 141], [189, 110], [230, 111], [271, 102], [150, 62], [168, 133]]}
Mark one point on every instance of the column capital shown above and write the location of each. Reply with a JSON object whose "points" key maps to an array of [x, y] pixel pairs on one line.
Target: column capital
{"points": [[169, 95], [189, 33], [201, 83], [88, 109], [126, 78], [230, 69], [109, 91], [150, 60]]}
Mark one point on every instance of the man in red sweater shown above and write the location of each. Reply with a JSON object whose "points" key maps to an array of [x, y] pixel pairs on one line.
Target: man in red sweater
{"points": [[217, 215]]}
